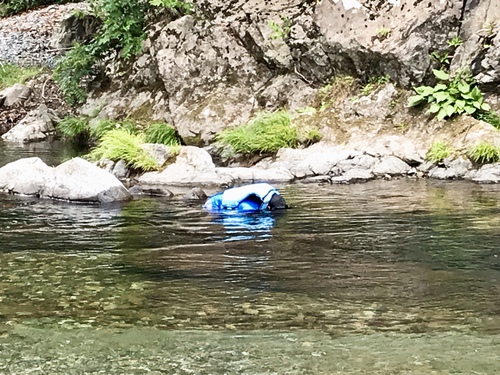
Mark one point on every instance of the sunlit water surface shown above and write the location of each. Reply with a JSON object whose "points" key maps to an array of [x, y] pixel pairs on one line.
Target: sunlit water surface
{"points": [[387, 277]]}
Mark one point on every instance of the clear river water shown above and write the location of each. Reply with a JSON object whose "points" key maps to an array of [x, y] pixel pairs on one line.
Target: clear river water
{"points": [[386, 277]]}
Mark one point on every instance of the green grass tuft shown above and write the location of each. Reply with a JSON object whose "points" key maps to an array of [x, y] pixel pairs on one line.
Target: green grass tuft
{"points": [[163, 134], [74, 127], [484, 152], [101, 127], [11, 74], [121, 144], [438, 151], [267, 133]]}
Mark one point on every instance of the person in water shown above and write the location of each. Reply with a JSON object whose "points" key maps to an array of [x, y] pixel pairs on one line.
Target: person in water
{"points": [[254, 197]]}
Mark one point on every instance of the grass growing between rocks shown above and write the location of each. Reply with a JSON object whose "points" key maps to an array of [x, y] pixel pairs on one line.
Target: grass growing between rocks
{"points": [[100, 128], [438, 151], [74, 127], [163, 134], [11, 74], [121, 144], [266, 133], [484, 152]]}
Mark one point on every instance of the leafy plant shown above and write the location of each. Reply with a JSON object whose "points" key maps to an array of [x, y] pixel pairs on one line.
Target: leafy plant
{"points": [[452, 95], [484, 152], [438, 151], [74, 127], [120, 144], [71, 69], [11, 74], [443, 59], [122, 31], [455, 42], [174, 4], [163, 134], [268, 132], [280, 31]]}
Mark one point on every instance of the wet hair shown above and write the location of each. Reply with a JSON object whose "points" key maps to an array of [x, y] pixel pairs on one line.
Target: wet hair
{"points": [[277, 202]]}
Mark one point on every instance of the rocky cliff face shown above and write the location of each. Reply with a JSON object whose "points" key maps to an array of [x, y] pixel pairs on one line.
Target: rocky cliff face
{"points": [[215, 68]]}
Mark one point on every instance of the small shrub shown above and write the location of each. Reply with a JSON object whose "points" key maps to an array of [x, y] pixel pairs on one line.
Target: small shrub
{"points": [[268, 132], [120, 144], [163, 134], [452, 95], [72, 68], [484, 152], [174, 4], [438, 152], [74, 127], [11, 74]]}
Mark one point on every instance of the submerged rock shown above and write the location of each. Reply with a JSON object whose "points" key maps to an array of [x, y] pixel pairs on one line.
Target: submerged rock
{"points": [[75, 180]]}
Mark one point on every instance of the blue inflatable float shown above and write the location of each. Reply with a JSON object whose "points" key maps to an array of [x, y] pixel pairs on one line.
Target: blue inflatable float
{"points": [[254, 197]]}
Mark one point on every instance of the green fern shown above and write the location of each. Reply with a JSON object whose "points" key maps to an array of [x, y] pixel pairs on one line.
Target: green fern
{"points": [[120, 144], [163, 134]]}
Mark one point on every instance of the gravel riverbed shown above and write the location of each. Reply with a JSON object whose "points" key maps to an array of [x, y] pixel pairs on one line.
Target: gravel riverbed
{"points": [[26, 38]]}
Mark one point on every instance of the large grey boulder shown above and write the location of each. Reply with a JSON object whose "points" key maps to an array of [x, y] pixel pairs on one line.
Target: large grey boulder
{"points": [[36, 126], [80, 180], [481, 36], [392, 166], [75, 180], [74, 28], [193, 166], [318, 159], [488, 174], [26, 176], [354, 43]]}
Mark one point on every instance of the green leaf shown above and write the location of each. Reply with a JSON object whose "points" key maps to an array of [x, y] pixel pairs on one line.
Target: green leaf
{"points": [[434, 108], [469, 109], [440, 87], [476, 93], [460, 104], [450, 110], [441, 74], [415, 100], [441, 96], [441, 115], [464, 87], [425, 90], [485, 107]]}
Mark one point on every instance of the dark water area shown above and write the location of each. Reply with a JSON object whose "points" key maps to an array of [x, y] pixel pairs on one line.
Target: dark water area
{"points": [[387, 277]]}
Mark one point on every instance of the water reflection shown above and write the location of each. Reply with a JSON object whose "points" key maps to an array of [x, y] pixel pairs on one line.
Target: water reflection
{"points": [[53, 151], [240, 226]]}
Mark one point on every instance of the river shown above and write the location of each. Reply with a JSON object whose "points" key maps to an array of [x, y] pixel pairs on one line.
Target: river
{"points": [[386, 277]]}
